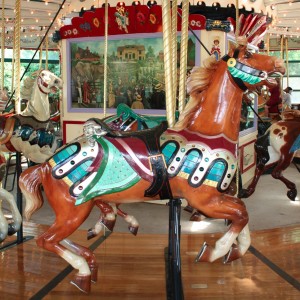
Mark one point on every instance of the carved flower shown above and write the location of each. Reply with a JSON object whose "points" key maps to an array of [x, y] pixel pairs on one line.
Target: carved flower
{"points": [[152, 19], [140, 17], [96, 22]]}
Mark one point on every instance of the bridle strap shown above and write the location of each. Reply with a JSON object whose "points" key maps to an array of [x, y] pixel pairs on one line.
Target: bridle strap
{"points": [[41, 83], [239, 82], [244, 68], [232, 62]]}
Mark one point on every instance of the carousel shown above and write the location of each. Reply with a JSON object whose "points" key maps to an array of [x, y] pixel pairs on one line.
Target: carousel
{"points": [[164, 119]]}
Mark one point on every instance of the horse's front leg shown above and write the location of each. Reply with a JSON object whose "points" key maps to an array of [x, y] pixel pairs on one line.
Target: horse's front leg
{"points": [[107, 218], [133, 226], [234, 210]]}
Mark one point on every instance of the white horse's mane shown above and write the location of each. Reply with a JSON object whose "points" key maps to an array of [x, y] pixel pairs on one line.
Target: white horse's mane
{"points": [[27, 86]]}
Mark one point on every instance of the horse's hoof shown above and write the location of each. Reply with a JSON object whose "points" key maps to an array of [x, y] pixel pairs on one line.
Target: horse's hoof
{"points": [[94, 273], [197, 217], [133, 229], [91, 234], [292, 194], [204, 254], [11, 229], [82, 282], [243, 193], [109, 224], [232, 255], [189, 209]]}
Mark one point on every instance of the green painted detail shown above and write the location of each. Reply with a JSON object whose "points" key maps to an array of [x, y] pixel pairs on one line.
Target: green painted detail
{"points": [[244, 76], [168, 150], [65, 153], [191, 161], [80, 171], [217, 171], [114, 174]]}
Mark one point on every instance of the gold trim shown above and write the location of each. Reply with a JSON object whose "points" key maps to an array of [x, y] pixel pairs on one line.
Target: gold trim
{"points": [[210, 182]]}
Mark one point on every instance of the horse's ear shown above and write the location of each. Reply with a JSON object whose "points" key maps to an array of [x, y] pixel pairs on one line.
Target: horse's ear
{"points": [[231, 48]]}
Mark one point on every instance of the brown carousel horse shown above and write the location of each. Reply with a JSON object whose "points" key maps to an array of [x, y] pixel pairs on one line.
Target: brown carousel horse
{"points": [[276, 148], [195, 160]]}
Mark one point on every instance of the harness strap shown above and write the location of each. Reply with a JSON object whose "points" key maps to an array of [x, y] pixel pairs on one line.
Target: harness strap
{"points": [[239, 82], [41, 82], [150, 137]]}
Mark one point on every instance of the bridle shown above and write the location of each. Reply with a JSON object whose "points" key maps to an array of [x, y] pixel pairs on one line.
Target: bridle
{"points": [[241, 73], [41, 83]]}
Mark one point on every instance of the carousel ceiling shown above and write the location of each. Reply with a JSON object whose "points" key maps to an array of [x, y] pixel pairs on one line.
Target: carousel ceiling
{"points": [[39, 17]]}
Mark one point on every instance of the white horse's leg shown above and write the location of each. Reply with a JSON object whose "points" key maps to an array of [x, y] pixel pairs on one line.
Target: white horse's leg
{"points": [[3, 225], [222, 247], [86, 254], [17, 218], [234, 210], [244, 240]]}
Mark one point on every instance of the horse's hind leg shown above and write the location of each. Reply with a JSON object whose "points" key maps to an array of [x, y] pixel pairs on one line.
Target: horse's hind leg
{"points": [[67, 221], [262, 157], [234, 210], [282, 165], [86, 253]]}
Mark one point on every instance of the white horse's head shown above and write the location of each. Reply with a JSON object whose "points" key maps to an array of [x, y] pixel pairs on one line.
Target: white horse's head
{"points": [[38, 101], [48, 82]]}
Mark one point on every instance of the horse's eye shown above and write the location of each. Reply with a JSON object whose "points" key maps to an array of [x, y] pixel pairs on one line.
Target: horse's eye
{"points": [[56, 81]]}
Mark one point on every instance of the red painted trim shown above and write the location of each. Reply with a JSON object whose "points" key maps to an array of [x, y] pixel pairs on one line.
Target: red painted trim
{"points": [[65, 123], [242, 170]]}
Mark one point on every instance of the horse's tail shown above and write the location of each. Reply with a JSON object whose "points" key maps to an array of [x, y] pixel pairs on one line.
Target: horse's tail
{"points": [[30, 183]]}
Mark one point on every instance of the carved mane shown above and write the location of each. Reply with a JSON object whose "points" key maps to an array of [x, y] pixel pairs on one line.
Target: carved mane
{"points": [[28, 83], [197, 82]]}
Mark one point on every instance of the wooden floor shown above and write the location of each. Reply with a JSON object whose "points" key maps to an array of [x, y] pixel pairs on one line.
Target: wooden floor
{"points": [[133, 267]]}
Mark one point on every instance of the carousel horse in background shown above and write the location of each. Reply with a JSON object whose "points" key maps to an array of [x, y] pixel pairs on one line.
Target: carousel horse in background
{"points": [[196, 160], [276, 148], [31, 132]]}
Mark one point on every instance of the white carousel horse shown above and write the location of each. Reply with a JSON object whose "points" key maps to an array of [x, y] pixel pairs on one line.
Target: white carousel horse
{"points": [[31, 133]]}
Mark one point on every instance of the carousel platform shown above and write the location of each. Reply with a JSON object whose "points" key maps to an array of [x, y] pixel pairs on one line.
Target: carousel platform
{"points": [[133, 267]]}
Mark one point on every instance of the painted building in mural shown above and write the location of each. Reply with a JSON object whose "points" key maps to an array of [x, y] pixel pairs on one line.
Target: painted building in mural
{"points": [[131, 52]]}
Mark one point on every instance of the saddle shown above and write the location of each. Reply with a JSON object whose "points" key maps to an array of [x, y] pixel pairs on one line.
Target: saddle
{"points": [[150, 137], [290, 114]]}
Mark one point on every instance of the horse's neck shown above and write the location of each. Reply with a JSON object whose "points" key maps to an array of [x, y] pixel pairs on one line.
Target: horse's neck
{"points": [[219, 109], [38, 105]]}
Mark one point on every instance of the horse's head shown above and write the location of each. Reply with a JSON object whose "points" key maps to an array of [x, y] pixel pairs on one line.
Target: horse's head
{"points": [[48, 82], [250, 70]]}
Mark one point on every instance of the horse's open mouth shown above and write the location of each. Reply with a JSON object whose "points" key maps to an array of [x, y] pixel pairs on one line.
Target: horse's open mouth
{"points": [[272, 80], [54, 89]]}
